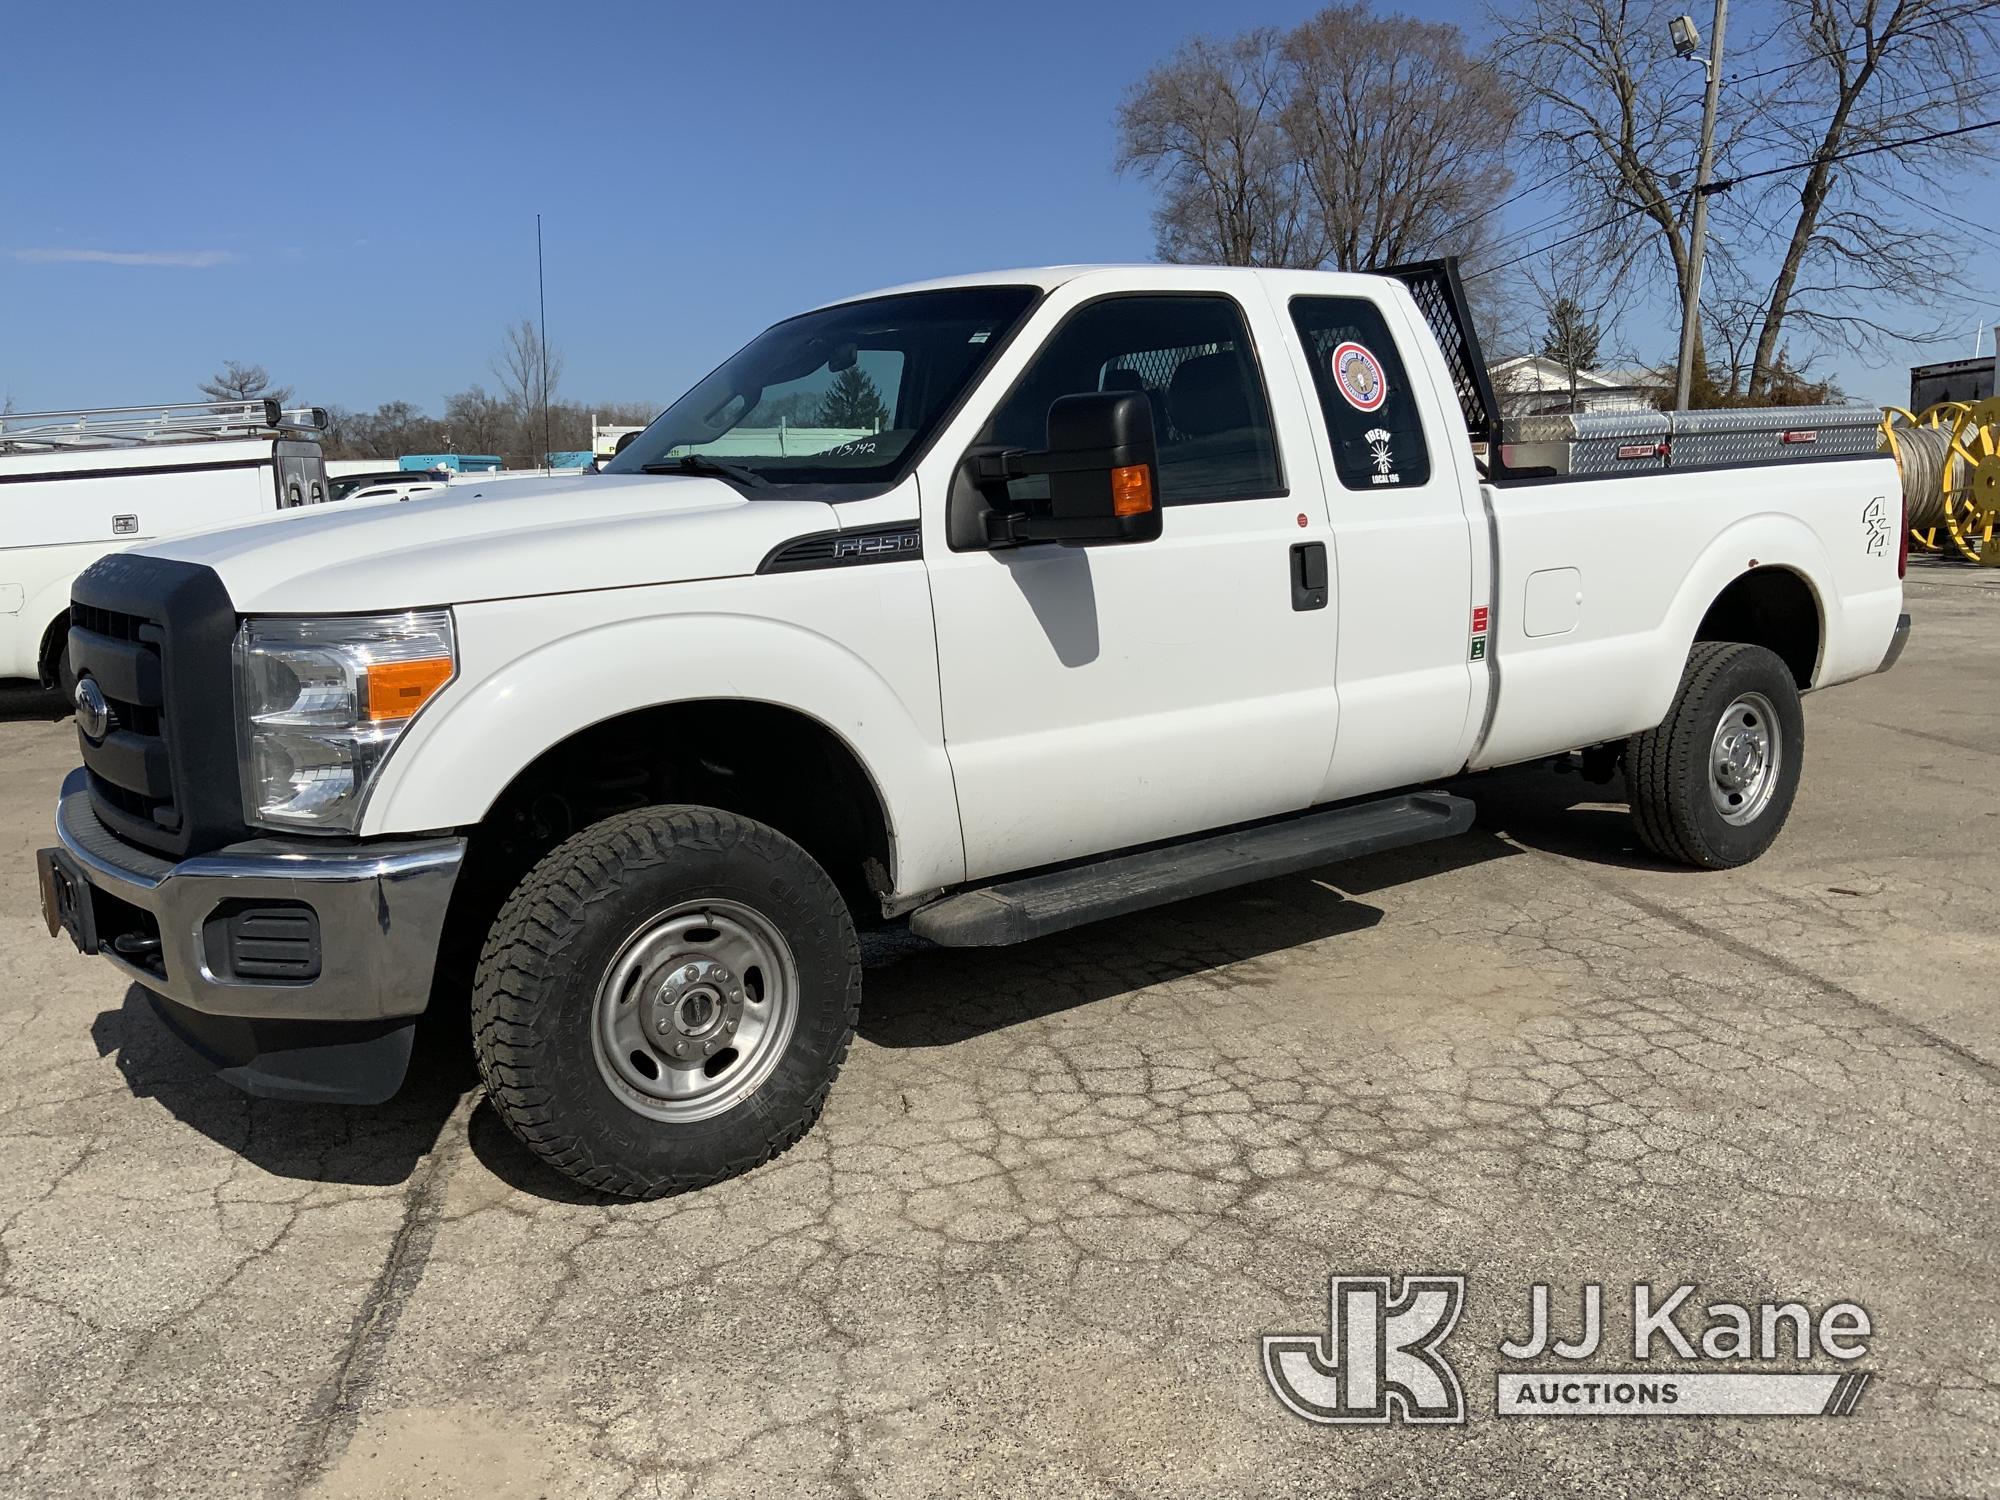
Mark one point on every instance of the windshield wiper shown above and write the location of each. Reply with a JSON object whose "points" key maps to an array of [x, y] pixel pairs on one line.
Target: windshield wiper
{"points": [[701, 463]]}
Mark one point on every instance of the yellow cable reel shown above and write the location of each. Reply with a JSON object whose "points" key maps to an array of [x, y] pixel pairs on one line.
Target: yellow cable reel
{"points": [[1949, 457], [1972, 504]]}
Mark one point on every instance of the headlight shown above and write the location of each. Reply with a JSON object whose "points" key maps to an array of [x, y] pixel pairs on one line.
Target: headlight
{"points": [[321, 702]]}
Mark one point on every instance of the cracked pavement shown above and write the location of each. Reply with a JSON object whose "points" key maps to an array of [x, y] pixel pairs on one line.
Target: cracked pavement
{"points": [[1061, 1190]]}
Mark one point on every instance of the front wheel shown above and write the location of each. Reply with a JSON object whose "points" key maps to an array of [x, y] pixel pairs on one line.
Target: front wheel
{"points": [[665, 1000], [1713, 784]]}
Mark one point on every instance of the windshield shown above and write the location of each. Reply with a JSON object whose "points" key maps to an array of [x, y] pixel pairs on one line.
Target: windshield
{"points": [[844, 396]]}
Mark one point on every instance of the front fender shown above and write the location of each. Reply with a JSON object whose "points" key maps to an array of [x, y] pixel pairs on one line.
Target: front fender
{"points": [[522, 691]]}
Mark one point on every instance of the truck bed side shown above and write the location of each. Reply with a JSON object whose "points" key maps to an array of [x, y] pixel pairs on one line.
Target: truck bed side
{"points": [[1602, 585]]}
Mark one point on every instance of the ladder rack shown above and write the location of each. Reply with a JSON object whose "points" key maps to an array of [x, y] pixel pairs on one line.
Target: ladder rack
{"points": [[135, 426]]}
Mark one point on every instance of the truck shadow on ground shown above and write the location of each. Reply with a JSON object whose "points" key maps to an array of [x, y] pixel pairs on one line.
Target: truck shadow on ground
{"points": [[32, 705], [917, 995], [361, 1146], [1557, 813]]}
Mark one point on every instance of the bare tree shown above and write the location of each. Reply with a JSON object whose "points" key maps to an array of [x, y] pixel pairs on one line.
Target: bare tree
{"points": [[1205, 126], [480, 422], [392, 429], [1733, 310], [1831, 249], [1609, 115], [1400, 134], [240, 382], [1869, 73], [528, 371], [1353, 140]]}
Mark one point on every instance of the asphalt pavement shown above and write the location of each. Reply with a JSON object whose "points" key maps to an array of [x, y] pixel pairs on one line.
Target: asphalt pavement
{"points": [[1061, 1191]]}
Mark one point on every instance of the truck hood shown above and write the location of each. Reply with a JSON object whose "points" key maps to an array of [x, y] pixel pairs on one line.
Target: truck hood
{"points": [[498, 541]]}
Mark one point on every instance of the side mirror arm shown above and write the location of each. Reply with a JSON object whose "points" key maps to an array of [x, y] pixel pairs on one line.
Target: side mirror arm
{"points": [[1019, 463], [1015, 528]]}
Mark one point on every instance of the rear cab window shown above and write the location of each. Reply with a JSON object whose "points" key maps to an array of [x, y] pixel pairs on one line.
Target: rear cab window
{"points": [[1372, 418]]}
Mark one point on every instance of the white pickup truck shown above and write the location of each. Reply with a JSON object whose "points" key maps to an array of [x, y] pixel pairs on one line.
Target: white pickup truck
{"points": [[1154, 581]]}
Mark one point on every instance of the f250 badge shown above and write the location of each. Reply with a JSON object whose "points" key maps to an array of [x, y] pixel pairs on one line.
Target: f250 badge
{"points": [[877, 544], [1875, 521]]}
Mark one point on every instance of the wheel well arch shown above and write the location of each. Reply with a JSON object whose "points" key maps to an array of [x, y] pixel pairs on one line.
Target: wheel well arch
{"points": [[766, 761], [1773, 607], [48, 656]]}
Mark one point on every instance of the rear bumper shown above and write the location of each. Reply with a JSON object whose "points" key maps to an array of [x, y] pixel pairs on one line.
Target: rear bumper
{"points": [[1896, 643], [376, 912]]}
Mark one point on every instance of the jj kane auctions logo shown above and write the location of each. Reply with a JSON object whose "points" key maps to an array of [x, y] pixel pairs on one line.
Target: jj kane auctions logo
{"points": [[1381, 1357]]}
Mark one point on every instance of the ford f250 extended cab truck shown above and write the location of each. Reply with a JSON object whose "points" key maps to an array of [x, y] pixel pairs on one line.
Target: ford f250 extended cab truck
{"points": [[1136, 583]]}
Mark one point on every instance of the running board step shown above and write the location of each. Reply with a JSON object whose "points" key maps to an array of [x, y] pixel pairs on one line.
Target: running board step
{"points": [[1033, 906]]}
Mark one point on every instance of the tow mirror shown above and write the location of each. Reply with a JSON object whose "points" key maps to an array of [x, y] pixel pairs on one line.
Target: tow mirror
{"points": [[1103, 468]]}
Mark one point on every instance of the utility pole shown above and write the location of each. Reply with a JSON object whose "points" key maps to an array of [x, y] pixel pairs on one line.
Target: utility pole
{"points": [[1686, 42]]}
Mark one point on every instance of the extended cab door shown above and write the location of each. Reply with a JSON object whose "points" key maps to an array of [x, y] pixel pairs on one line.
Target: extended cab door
{"points": [[1409, 573], [1105, 696]]}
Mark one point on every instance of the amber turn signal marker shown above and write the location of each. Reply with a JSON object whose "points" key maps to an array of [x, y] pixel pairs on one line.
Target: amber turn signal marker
{"points": [[1131, 490], [397, 689]]}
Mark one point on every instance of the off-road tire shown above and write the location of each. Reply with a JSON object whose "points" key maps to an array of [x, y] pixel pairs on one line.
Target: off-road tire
{"points": [[1667, 769], [548, 951]]}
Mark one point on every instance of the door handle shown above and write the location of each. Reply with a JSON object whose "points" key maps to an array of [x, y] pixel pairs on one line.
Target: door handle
{"points": [[1309, 575]]}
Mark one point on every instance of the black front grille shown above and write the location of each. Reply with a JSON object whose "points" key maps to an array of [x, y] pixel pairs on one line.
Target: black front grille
{"points": [[140, 718], [113, 623], [132, 804], [131, 774], [154, 634]]}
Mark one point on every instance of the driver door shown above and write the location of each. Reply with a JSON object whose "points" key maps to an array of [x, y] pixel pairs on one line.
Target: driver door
{"points": [[1100, 697]]}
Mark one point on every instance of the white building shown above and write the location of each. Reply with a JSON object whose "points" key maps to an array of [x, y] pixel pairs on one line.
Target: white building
{"points": [[1533, 384]]}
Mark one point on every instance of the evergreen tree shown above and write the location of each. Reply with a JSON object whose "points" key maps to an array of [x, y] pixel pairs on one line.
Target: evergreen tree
{"points": [[1573, 336], [852, 401]]}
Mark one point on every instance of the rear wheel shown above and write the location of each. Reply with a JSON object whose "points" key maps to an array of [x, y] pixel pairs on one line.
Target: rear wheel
{"points": [[665, 1000], [1713, 784]]}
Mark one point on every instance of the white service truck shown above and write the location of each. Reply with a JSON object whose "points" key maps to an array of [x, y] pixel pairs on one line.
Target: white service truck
{"points": [[1154, 581], [75, 485]]}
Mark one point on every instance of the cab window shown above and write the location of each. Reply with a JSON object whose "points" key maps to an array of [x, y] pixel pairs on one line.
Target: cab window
{"points": [[1372, 417], [1192, 359]]}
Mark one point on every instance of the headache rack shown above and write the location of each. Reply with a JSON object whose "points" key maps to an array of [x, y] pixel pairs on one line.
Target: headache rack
{"points": [[136, 426], [1440, 297]]}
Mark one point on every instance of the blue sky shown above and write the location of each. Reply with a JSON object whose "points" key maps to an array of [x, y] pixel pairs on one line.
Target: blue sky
{"points": [[346, 194]]}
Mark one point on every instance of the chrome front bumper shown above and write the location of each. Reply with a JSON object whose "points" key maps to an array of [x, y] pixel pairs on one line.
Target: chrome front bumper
{"points": [[378, 909]]}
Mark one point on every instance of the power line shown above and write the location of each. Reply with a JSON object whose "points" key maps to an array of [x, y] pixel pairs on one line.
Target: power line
{"points": [[1724, 184], [1528, 230], [1806, 62], [1925, 94], [1569, 239], [1560, 172]]}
